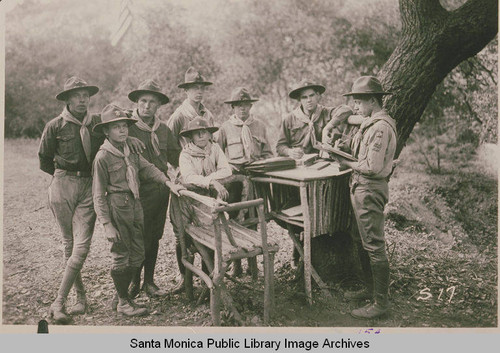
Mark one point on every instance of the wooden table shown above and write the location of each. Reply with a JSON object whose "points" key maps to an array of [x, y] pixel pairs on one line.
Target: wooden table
{"points": [[324, 199]]}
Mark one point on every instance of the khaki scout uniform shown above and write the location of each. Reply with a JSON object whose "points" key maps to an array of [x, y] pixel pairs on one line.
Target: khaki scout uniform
{"points": [[62, 155], [299, 130], [184, 114], [115, 203], [67, 148], [374, 146], [196, 171], [229, 139]]}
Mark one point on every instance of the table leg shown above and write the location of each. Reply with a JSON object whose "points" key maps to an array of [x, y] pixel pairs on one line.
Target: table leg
{"points": [[307, 241]]}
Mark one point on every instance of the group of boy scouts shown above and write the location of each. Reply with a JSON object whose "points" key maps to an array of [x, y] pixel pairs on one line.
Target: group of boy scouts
{"points": [[123, 166]]}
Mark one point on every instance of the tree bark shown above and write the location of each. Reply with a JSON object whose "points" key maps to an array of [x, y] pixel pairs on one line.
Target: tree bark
{"points": [[433, 42]]}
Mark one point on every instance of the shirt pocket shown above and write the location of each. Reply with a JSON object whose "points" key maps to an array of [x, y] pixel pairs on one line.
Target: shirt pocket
{"points": [[234, 147], [117, 173], [66, 145]]}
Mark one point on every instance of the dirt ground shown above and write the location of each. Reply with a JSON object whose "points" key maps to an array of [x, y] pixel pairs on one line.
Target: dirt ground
{"points": [[440, 277]]}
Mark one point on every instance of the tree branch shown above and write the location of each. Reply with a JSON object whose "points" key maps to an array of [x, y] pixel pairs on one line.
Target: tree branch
{"points": [[421, 13], [469, 28]]}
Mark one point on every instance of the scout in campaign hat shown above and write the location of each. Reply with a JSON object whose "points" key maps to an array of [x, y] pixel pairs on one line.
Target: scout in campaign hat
{"points": [[193, 77], [196, 124], [240, 95], [148, 86], [305, 84], [366, 85], [72, 84], [112, 113]]}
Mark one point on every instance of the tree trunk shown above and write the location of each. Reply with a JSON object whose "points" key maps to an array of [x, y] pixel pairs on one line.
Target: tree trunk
{"points": [[433, 42]]}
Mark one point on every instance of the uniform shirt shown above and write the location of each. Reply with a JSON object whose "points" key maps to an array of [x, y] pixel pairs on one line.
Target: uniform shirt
{"points": [[375, 145], [61, 146], [294, 129], [182, 116], [109, 176], [169, 148], [192, 167], [229, 139]]}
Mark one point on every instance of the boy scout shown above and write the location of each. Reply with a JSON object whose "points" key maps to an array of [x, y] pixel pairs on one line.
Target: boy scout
{"points": [[67, 149], [243, 138], [115, 191], [302, 128], [202, 163], [374, 146], [161, 149], [194, 85]]}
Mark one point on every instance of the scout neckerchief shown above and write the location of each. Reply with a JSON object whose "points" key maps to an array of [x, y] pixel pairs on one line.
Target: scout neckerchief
{"points": [[380, 115], [145, 127], [190, 112], [246, 134], [208, 165], [131, 175], [310, 137], [84, 131]]}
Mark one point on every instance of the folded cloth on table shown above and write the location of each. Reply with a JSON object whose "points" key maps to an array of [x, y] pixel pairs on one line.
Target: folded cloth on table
{"points": [[271, 164]]}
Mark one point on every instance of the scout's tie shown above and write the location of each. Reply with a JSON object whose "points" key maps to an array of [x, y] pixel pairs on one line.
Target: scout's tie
{"points": [[246, 135], [84, 131], [145, 127], [131, 175], [85, 136], [310, 137]]}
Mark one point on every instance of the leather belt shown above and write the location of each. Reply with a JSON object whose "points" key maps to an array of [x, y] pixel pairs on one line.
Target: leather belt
{"points": [[78, 173]]}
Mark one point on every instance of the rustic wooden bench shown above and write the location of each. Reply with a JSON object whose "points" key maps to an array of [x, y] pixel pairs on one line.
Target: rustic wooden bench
{"points": [[204, 222]]}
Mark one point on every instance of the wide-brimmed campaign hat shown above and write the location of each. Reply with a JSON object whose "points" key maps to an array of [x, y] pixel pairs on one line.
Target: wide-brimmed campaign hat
{"points": [[148, 86], [193, 77], [72, 84], [112, 113], [366, 85], [198, 123], [240, 95], [305, 84]]}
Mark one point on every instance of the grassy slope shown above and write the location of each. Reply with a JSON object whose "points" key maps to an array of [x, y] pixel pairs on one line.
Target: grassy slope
{"points": [[441, 232]]}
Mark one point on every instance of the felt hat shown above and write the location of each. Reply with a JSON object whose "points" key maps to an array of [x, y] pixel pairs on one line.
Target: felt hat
{"points": [[148, 86], [198, 123], [366, 85], [240, 95], [112, 113], [193, 77], [305, 84], [72, 84]]}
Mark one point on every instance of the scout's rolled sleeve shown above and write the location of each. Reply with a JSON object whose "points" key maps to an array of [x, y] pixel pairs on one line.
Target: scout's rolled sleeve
{"points": [[99, 183]]}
